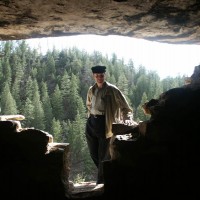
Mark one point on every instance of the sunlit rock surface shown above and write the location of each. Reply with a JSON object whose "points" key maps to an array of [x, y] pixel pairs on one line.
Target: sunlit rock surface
{"points": [[163, 21]]}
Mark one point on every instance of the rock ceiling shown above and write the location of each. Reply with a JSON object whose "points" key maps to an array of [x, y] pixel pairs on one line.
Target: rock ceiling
{"points": [[167, 21]]}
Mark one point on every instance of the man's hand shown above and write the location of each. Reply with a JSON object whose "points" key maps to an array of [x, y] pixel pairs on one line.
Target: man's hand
{"points": [[128, 119]]}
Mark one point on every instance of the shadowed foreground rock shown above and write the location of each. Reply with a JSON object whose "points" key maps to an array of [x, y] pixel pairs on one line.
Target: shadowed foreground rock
{"points": [[32, 166], [160, 157]]}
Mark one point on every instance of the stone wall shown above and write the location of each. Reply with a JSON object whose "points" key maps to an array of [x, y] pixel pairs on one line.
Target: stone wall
{"points": [[32, 166], [162, 21]]}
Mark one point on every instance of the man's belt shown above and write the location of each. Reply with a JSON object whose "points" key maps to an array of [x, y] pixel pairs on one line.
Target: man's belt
{"points": [[97, 116]]}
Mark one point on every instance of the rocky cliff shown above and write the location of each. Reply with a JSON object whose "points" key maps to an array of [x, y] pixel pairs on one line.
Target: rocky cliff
{"points": [[176, 21]]}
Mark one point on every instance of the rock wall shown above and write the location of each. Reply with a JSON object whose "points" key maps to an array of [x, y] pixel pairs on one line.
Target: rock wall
{"points": [[32, 167], [176, 21], [161, 158]]}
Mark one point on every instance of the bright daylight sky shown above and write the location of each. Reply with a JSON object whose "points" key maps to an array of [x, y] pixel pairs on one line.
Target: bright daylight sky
{"points": [[165, 59]]}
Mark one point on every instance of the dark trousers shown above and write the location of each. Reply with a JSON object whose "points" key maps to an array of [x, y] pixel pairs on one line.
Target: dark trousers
{"points": [[97, 142]]}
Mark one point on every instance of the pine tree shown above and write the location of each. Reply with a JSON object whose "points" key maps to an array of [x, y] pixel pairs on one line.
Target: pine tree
{"points": [[28, 112], [7, 71], [141, 87], [38, 113], [29, 89], [123, 84], [73, 98], [1, 73], [81, 160], [57, 103], [65, 92], [17, 77], [48, 113], [50, 63], [56, 131], [141, 116], [8, 104]]}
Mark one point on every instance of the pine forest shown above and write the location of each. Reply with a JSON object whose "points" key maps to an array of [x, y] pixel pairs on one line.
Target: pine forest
{"points": [[50, 91]]}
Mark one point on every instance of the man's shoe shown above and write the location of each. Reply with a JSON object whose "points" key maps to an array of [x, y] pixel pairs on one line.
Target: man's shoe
{"points": [[99, 182]]}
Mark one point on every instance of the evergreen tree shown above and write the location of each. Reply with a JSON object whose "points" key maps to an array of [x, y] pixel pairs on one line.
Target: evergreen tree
{"points": [[7, 71], [57, 103], [154, 86], [29, 89], [62, 59], [16, 93], [17, 77], [96, 58], [130, 73], [141, 87], [74, 98], [76, 66], [56, 131], [23, 51], [48, 112], [168, 83], [79, 149], [38, 114], [85, 77], [8, 46], [65, 92], [1, 73], [141, 116], [28, 112], [50, 63], [8, 104], [123, 84]]}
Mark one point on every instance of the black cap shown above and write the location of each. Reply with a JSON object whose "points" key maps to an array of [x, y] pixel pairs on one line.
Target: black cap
{"points": [[98, 69]]}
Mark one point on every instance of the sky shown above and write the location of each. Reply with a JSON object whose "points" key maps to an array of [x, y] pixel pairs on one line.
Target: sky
{"points": [[165, 59]]}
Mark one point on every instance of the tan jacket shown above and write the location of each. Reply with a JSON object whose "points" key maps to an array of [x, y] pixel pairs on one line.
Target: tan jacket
{"points": [[116, 105]]}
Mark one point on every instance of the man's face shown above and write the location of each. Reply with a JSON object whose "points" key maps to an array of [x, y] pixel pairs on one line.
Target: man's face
{"points": [[99, 77]]}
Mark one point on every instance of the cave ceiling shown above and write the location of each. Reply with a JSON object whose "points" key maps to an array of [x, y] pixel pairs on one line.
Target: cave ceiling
{"points": [[166, 21]]}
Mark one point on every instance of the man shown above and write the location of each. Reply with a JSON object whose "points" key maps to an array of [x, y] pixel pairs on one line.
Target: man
{"points": [[106, 104]]}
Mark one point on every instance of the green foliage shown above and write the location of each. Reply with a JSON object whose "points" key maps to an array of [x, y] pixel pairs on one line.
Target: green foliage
{"points": [[141, 116], [57, 103], [79, 178], [46, 102], [8, 104], [38, 112], [56, 130], [28, 111]]}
